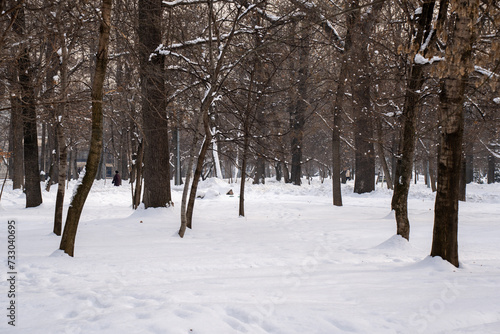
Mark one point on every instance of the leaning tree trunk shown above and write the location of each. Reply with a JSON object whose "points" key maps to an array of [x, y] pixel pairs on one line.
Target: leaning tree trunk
{"points": [[187, 182], [404, 163], [456, 69], [76, 207], [199, 165]]}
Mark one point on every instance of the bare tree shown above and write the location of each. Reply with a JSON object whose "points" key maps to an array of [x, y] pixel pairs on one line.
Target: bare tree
{"points": [[82, 191], [455, 72]]}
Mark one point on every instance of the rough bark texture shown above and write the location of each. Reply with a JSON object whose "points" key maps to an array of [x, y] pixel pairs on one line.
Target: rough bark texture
{"points": [[297, 117], [157, 191], [82, 191], [456, 70], [360, 26], [28, 110], [404, 163]]}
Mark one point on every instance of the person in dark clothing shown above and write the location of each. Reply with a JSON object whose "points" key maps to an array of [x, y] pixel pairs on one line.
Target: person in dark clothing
{"points": [[117, 180]]}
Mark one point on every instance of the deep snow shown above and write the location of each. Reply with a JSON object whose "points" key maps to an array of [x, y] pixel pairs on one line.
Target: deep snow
{"points": [[295, 264]]}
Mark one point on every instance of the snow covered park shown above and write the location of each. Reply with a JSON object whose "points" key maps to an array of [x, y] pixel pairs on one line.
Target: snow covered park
{"points": [[294, 265]]}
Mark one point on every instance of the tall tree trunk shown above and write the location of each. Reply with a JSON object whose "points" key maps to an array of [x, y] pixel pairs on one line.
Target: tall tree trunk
{"points": [[157, 191], [361, 26], [298, 116], [31, 167], [337, 125], [457, 64], [61, 140], [16, 126], [82, 191], [404, 163], [63, 157]]}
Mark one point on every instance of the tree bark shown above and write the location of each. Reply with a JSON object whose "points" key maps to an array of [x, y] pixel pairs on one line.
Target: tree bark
{"points": [[491, 170], [16, 128], [82, 191], [157, 192], [456, 70], [189, 174], [404, 163], [199, 164], [28, 109], [360, 27], [61, 142], [297, 118], [136, 200], [337, 125]]}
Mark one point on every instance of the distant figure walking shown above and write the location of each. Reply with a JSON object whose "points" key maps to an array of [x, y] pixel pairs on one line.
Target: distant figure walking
{"points": [[117, 180]]}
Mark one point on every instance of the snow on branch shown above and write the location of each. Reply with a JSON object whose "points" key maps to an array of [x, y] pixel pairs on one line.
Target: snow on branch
{"points": [[315, 16], [486, 72], [175, 3], [493, 153], [419, 59]]}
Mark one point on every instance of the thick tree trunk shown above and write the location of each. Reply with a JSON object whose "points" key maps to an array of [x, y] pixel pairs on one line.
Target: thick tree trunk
{"points": [[76, 207], [360, 27], [451, 98], [157, 191], [31, 168]]}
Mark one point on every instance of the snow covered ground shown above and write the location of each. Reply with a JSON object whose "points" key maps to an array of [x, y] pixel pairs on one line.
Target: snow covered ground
{"points": [[295, 264]]}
